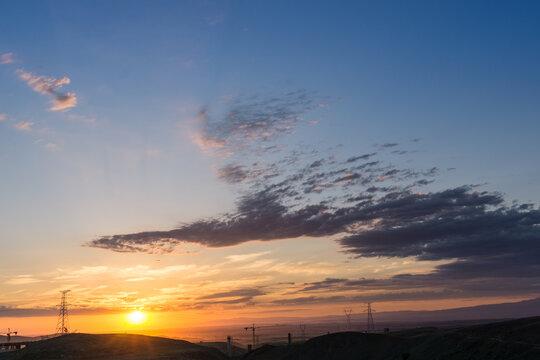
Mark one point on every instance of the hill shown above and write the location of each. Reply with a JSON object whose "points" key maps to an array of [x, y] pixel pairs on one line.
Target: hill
{"points": [[508, 340], [113, 346]]}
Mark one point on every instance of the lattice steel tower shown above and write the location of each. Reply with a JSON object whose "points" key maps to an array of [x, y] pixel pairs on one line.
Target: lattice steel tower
{"points": [[370, 323], [62, 325], [348, 314]]}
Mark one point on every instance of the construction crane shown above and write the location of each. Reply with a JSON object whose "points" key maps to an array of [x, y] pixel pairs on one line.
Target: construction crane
{"points": [[9, 333], [252, 328]]}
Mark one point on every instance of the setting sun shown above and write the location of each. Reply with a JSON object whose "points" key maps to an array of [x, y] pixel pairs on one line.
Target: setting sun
{"points": [[136, 318]]}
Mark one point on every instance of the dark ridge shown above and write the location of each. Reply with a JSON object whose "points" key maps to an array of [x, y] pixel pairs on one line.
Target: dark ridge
{"points": [[113, 346], [508, 340]]}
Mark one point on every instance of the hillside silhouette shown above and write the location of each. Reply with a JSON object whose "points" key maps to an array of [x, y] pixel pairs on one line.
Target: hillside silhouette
{"points": [[508, 340], [515, 339], [113, 346]]}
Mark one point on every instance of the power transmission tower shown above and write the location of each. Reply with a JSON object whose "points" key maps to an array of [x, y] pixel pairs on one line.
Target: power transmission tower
{"points": [[62, 325], [303, 331], [348, 313], [370, 323]]}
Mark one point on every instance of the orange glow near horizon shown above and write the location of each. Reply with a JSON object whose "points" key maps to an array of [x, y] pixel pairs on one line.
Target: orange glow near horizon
{"points": [[180, 324]]}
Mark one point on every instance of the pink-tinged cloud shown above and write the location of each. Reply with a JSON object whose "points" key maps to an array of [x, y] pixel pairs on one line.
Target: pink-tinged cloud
{"points": [[50, 86], [3, 117], [23, 125], [63, 102], [6, 58]]}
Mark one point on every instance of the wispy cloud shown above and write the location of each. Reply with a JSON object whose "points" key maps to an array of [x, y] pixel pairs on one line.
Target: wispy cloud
{"points": [[252, 120], [3, 117], [23, 125], [247, 257], [22, 280], [50, 86], [51, 146], [6, 58], [83, 119]]}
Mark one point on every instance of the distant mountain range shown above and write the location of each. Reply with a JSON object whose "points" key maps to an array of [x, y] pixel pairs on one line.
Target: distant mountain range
{"points": [[511, 310]]}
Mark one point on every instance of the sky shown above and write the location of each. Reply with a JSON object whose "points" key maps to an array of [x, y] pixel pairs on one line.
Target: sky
{"points": [[206, 161]]}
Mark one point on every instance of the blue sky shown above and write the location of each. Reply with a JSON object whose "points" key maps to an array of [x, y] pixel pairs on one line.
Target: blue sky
{"points": [[461, 76]]}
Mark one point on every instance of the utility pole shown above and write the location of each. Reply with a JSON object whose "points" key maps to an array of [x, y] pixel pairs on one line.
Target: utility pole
{"points": [[348, 313], [370, 323], [229, 346], [252, 328], [62, 325]]}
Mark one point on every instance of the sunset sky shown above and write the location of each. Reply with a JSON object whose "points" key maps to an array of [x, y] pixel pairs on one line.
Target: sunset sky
{"points": [[204, 161]]}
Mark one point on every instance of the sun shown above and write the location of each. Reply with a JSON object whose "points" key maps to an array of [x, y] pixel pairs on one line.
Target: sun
{"points": [[136, 318]]}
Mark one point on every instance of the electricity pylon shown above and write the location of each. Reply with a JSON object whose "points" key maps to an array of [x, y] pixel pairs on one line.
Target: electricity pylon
{"points": [[303, 331], [62, 325], [348, 313], [370, 323]]}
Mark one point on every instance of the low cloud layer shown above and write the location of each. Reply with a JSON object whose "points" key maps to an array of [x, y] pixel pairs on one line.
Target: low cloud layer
{"points": [[50, 86]]}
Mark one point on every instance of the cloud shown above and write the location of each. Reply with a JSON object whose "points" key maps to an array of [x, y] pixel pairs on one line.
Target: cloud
{"points": [[360, 157], [473, 241], [247, 257], [388, 145], [233, 293], [141, 278], [3, 117], [50, 86], [232, 173], [263, 216], [21, 280], [12, 311], [230, 297], [83, 119], [6, 58], [63, 101], [474, 231], [23, 125], [252, 120], [363, 298], [235, 174]]}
